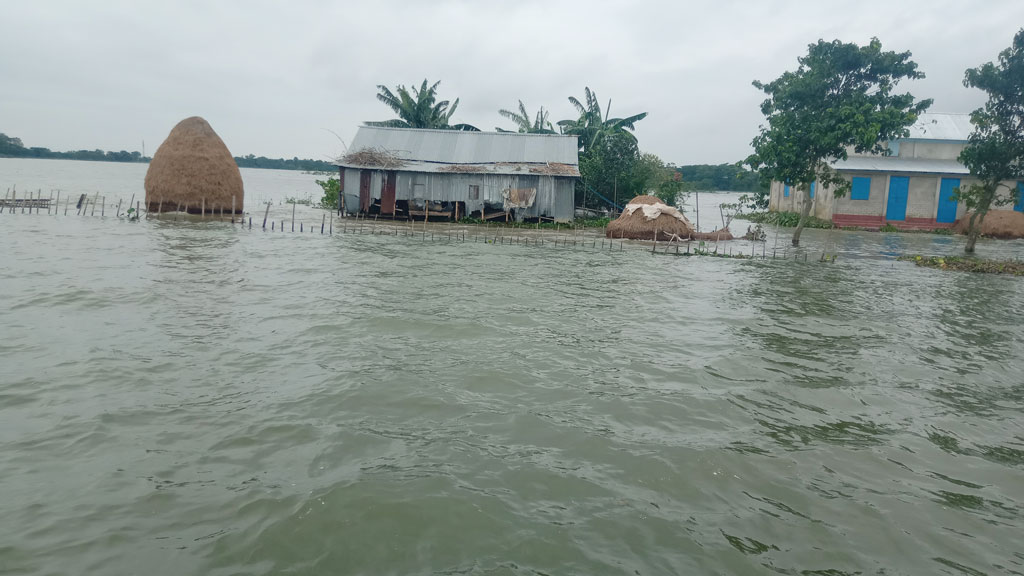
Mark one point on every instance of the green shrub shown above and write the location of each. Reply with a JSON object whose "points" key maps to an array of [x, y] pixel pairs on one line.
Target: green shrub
{"points": [[784, 219]]}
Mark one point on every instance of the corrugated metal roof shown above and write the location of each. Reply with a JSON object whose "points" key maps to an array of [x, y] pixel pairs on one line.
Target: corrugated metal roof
{"points": [[896, 164], [935, 126], [448, 147]]}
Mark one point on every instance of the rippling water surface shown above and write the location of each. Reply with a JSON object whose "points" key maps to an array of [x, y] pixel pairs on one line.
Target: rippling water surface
{"points": [[195, 398]]}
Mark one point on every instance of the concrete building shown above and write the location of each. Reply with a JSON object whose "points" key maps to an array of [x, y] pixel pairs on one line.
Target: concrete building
{"points": [[909, 188], [413, 173]]}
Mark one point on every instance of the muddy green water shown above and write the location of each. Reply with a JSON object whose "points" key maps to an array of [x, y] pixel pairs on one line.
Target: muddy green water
{"points": [[191, 398]]}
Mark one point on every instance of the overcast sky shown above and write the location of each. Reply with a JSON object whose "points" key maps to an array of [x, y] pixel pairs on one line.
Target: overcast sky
{"points": [[274, 78]]}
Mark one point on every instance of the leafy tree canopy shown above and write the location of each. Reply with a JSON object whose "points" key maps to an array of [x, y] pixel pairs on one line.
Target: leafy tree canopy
{"points": [[841, 97], [995, 150], [419, 108]]}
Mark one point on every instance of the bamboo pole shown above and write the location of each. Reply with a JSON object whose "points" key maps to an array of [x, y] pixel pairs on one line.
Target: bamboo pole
{"points": [[56, 206], [202, 209], [232, 209], [323, 220], [293, 217], [265, 213], [137, 207], [103, 207]]}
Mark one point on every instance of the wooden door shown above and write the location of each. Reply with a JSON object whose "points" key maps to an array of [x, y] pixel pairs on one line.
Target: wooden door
{"points": [[387, 195], [364, 190]]}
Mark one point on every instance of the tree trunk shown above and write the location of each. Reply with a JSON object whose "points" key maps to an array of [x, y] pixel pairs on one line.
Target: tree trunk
{"points": [[974, 230], [805, 210]]}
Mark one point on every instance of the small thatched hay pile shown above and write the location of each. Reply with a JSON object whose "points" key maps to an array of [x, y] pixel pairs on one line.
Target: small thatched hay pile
{"points": [[669, 223], [997, 224], [193, 168]]}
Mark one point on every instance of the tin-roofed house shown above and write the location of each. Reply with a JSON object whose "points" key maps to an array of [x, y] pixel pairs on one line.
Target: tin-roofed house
{"points": [[909, 188], [417, 173]]}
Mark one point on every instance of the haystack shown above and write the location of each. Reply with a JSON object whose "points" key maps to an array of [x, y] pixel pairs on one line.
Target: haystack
{"points": [[1004, 224], [646, 216], [193, 169]]}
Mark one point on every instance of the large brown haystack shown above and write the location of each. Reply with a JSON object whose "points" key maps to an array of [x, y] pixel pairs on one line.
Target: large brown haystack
{"points": [[193, 168], [635, 225], [997, 224]]}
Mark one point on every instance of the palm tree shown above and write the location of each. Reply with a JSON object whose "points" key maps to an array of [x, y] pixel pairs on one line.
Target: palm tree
{"points": [[592, 127], [419, 109], [540, 125]]}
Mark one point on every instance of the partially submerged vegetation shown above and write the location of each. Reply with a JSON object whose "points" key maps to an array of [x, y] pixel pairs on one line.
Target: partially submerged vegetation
{"points": [[784, 220], [960, 263]]}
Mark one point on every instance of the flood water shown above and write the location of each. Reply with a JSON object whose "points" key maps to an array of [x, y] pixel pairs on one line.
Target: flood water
{"points": [[201, 398]]}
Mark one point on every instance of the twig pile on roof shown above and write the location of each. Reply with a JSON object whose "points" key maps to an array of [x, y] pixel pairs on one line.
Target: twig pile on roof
{"points": [[373, 157]]}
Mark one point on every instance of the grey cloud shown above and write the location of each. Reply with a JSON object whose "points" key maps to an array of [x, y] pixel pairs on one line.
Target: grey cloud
{"points": [[274, 78]]}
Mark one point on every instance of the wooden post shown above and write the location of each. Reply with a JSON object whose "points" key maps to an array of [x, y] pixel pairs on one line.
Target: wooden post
{"points": [[293, 217], [137, 206], [232, 209], [330, 231], [56, 205], [103, 207], [93, 213], [293, 224], [323, 220], [655, 245], [67, 203], [265, 212], [272, 223], [202, 208]]}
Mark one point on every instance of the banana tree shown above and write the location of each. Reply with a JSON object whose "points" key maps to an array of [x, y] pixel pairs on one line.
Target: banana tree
{"points": [[419, 108]]}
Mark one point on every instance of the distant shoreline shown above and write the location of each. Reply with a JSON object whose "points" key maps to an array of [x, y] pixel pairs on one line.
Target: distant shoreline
{"points": [[261, 163]]}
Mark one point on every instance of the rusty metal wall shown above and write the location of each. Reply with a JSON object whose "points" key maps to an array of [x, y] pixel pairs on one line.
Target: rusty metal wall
{"points": [[554, 194]]}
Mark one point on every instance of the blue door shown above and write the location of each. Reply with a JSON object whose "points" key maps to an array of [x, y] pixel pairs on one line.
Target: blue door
{"points": [[947, 205], [899, 188]]}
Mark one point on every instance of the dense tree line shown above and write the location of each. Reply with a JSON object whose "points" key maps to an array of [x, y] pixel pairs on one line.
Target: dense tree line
{"points": [[11, 147], [719, 177], [306, 164]]}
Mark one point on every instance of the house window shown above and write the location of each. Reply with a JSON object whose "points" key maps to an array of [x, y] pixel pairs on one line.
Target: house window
{"points": [[474, 192], [785, 190], [1019, 206], [861, 189]]}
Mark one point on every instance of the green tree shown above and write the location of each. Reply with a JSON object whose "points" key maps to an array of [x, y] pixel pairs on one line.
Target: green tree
{"points": [[419, 108], [607, 169], [840, 97], [539, 125], [652, 176], [592, 127], [995, 151]]}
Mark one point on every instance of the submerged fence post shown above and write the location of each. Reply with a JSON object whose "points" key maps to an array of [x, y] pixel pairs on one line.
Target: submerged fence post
{"points": [[56, 205], [293, 216], [265, 213], [323, 220], [232, 209], [103, 207]]}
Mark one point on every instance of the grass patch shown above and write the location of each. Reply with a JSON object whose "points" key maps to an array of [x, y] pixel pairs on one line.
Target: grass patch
{"points": [[976, 265], [784, 220]]}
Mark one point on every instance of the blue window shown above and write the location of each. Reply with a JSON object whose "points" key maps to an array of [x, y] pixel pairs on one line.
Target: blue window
{"points": [[861, 189], [812, 189], [785, 191], [1019, 206]]}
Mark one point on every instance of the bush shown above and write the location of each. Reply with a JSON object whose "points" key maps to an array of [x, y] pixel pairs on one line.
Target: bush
{"points": [[784, 220], [331, 188]]}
